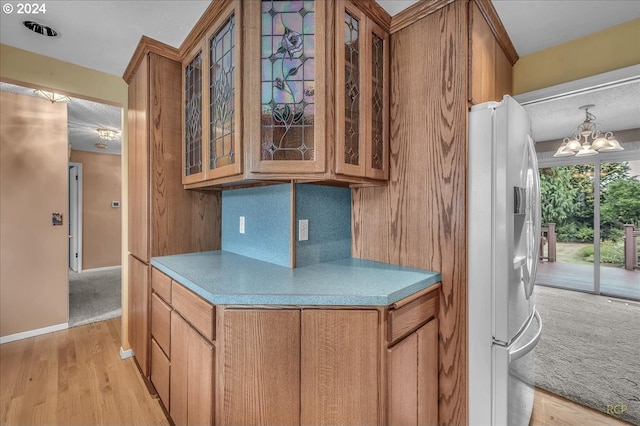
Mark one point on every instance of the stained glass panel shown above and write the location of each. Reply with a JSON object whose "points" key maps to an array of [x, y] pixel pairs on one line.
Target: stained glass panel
{"points": [[221, 95], [288, 71], [352, 90], [377, 101], [193, 116]]}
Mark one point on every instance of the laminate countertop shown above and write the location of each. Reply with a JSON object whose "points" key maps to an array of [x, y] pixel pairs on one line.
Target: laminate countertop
{"points": [[225, 278]]}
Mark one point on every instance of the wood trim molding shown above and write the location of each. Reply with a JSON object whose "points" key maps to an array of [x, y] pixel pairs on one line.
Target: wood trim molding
{"points": [[374, 11], [213, 11], [498, 30], [416, 12], [145, 46]]}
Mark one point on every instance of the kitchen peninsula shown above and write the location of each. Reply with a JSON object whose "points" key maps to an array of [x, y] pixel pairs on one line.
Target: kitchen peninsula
{"points": [[347, 341]]}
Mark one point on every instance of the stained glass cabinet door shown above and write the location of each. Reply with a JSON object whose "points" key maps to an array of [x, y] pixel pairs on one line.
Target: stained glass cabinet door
{"points": [[192, 113], [361, 94], [224, 100], [285, 81]]}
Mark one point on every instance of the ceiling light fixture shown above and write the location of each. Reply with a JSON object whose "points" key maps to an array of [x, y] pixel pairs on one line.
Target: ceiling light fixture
{"points": [[102, 145], [41, 29], [108, 134], [600, 141], [51, 96]]}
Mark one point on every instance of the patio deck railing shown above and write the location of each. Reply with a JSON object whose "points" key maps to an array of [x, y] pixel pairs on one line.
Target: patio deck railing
{"points": [[630, 247]]}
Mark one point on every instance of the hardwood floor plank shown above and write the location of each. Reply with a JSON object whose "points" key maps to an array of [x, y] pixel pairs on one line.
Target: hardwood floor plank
{"points": [[74, 377], [550, 409]]}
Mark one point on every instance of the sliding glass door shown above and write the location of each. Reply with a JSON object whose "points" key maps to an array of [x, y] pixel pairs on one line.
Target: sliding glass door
{"points": [[590, 243], [619, 225]]}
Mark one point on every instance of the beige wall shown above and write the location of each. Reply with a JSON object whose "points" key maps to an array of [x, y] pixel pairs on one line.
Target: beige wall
{"points": [[611, 49], [30, 69], [101, 223], [33, 184]]}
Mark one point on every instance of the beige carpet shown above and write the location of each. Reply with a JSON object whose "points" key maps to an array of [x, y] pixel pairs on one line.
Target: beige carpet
{"points": [[94, 296], [590, 349]]}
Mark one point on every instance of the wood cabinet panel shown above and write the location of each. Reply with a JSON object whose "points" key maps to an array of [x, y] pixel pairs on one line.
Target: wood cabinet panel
{"points": [[403, 382], [199, 312], [161, 323], [260, 367], [407, 318], [139, 294], [340, 361], [483, 58], [138, 165], [427, 394], [160, 372], [200, 380], [179, 371], [401, 223], [161, 285], [504, 74]]}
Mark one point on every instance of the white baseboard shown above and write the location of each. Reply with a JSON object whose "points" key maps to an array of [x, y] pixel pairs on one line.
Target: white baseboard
{"points": [[125, 354], [103, 269], [33, 333]]}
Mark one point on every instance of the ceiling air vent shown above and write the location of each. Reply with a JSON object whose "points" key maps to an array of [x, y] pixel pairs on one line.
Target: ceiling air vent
{"points": [[40, 29]]}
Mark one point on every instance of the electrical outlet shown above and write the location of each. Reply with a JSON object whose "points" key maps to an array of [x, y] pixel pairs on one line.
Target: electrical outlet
{"points": [[303, 230], [242, 224]]}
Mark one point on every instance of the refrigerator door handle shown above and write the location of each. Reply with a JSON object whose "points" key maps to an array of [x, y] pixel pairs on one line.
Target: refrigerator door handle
{"points": [[528, 347], [530, 268]]}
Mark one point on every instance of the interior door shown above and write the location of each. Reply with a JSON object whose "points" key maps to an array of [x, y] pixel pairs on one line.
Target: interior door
{"points": [[73, 218]]}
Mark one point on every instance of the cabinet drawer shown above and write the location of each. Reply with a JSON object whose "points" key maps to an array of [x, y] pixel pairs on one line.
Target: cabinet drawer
{"points": [[160, 372], [406, 318], [197, 311], [161, 284], [161, 323]]}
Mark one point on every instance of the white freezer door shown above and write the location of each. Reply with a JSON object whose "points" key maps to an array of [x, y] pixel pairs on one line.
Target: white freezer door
{"points": [[516, 207], [514, 377]]}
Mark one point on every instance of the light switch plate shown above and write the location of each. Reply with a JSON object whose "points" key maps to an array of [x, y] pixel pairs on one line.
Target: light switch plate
{"points": [[242, 224], [303, 230]]}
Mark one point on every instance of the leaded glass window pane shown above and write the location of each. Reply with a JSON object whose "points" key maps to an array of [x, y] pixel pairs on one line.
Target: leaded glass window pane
{"points": [[221, 95], [377, 101], [193, 116], [288, 70], [351, 90]]}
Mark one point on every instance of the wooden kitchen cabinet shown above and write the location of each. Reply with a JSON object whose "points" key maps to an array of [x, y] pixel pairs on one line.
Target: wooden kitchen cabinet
{"points": [[413, 378], [260, 367], [164, 218], [192, 376], [290, 119], [491, 72], [139, 293], [340, 361]]}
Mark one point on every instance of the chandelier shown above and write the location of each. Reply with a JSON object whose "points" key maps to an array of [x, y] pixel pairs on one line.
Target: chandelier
{"points": [[108, 134], [588, 139]]}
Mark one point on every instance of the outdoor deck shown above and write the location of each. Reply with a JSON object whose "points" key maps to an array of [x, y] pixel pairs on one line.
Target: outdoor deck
{"points": [[616, 282]]}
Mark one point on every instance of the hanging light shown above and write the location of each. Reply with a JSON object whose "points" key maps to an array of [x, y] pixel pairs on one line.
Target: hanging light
{"points": [[108, 134], [51, 96], [588, 139]]}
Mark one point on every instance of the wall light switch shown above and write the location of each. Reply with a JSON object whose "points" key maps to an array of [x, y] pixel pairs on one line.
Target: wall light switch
{"points": [[303, 230], [242, 224]]}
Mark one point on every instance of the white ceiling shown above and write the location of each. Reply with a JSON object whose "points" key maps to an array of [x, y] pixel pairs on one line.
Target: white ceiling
{"points": [[102, 34]]}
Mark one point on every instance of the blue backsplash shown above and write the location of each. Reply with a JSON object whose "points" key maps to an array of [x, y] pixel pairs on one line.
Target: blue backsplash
{"points": [[267, 212], [328, 210]]}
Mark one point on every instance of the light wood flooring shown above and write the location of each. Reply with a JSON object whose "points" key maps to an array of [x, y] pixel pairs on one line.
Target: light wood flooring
{"points": [[76, 377], [550, 409]]}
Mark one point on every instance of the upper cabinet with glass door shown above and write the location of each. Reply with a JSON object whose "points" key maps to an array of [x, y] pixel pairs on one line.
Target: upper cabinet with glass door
{"points": [[314, 95]]}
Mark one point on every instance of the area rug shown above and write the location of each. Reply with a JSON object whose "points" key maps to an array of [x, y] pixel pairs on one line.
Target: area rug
{"points": [[94, 296], [589, 351]]}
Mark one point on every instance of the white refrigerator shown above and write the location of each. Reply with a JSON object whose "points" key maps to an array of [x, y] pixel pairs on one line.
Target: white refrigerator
{"points": [[503, 210]]}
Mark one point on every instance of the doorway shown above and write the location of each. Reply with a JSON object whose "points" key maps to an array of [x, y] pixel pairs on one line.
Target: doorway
{"points": [[75, 217], [593, 210]]}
